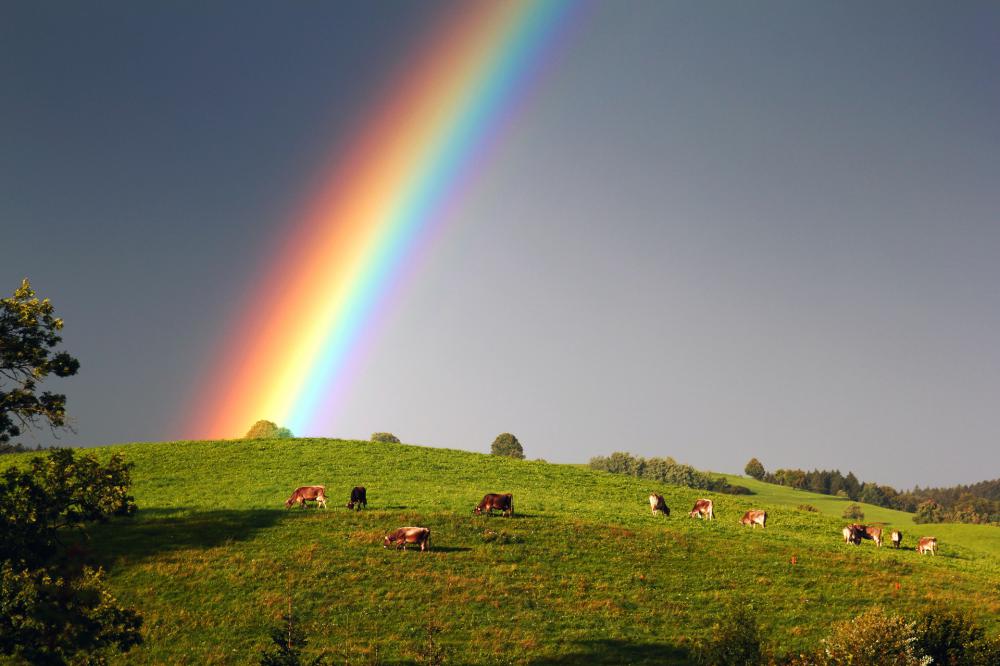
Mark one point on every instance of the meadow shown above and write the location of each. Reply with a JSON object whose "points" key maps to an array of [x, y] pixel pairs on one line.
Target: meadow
{"points": [[583, 573]]}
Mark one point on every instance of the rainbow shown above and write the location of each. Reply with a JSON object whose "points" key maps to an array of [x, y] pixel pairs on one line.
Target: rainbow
{"points": [[290, 355]]}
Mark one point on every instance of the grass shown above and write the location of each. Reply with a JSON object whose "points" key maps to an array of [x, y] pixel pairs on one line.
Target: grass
{"points": [[582, 574]]}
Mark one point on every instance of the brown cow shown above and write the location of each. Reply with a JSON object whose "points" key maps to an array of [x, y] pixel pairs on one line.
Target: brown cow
{"points": [[703, 509], [493, 501], [405, 535], [359, 498], [657, 503], [897, 538], [305, 494], [867, 532], [754, 518], [927, 545]]}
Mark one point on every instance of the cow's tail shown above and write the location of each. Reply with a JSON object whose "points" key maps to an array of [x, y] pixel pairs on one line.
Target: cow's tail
{"points": [[511, 506], [428, 538]]}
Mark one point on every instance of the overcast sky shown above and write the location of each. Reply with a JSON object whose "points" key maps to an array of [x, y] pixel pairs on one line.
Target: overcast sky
{"points": [[715, 231]]}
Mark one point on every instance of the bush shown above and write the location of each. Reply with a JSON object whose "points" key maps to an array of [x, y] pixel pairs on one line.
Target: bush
{"points": [[950, 637], [385, 438], [854, 512], [808, 507], [871, 639], [755, 469], [507, 445], [736, 640], [286, 646], [267, 430]]}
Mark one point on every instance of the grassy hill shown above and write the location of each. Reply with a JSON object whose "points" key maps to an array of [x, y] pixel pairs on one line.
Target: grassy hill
{"points": [[582, 574]]}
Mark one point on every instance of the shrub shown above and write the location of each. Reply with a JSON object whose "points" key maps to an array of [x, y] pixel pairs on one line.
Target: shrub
{"points": [[949, 636], [755, 469], [287, 642], [736, 639], [854, 512], [872, 639], [385, 438], [807, 507], [267, 430], [507, 445]]}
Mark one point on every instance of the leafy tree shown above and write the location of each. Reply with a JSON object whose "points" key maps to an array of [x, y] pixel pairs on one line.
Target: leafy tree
{"points": [[929, 511], [267, 430], [385, 438], [52, 610], [736, 640], [29, 332], [755, 469], [854, 512], [507, 445], [950, 637]]}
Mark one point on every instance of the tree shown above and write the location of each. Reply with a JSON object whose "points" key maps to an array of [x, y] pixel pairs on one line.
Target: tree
{"points": [[51, 608], [267, 430], [929, 511], [286, 646], [385, 438], [29, 332], [507, 445], [755, 469]]}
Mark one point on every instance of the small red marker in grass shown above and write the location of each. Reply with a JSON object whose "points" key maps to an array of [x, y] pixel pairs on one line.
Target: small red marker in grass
{"points": [[795, 560]]}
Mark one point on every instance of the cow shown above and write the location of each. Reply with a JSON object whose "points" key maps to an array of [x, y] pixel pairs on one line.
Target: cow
{"points": [[927, 545], [358, 498], [754, 518], [304, 494], [657, 503], [859, 532], [897, 538], [850, 535], [493, 501], [703, 509], [404, 535]]}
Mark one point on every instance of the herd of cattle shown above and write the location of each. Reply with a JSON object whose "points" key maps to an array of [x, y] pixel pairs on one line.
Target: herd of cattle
{"points": [[504, 503]]}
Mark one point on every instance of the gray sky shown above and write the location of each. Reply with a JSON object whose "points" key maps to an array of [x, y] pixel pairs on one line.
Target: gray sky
{"points": [[717, 231]]}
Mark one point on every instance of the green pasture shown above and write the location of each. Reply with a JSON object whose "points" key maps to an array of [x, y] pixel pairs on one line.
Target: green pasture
{"points": [[583, 573]]}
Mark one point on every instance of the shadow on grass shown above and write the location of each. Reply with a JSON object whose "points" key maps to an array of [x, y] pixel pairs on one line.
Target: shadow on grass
{"points": [[608, 651], [155, 531], [450, 549]]}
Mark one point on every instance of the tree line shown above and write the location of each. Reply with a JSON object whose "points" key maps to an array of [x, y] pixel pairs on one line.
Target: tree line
{"points": [[976, 503], [664, 470]]}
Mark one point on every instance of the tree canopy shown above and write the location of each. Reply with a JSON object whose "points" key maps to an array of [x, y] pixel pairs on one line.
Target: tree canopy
{"points": [[29, 333], [507, 445], [267, 430]]}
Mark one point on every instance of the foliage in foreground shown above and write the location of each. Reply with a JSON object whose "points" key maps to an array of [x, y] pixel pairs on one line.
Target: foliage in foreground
{"points": [[29, 331], [736, 639], [287, 642], [52, 608]]}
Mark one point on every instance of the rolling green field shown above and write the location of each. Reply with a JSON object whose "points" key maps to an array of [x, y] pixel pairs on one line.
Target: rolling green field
{"points": [[582, 574]]}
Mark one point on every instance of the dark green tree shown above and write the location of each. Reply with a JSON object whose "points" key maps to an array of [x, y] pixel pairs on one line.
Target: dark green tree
{"points": [[267, 430], [385, 438], [29, 333], [507, 445], [52, 609], [286, 646], [755, 469], [854, 512], [929, 511]]}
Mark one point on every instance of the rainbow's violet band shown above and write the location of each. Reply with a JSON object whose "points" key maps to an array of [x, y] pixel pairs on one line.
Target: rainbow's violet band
{"points": [[413, 155]]}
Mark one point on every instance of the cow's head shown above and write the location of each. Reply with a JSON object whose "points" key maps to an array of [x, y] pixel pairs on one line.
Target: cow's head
{"points": [[388, 541], [350, 505], [289, 502], [478, 510]]}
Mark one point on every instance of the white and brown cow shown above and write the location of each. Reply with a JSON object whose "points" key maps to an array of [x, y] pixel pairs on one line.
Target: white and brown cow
{"points": [[897, 538], [927, 545], [703, 509], [874, 533], [404, 535], [850, 535], [657, 503], [304, 494], [754, 518]]}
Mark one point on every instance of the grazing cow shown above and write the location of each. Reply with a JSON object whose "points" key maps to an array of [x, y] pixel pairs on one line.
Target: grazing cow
{"points": [[657, 503], [492, 501], [897, 538], [754, 518], [305, 494], [404, 535], [358, 498], [927, 545], [873, 533], [703, 509], [849, 535]]}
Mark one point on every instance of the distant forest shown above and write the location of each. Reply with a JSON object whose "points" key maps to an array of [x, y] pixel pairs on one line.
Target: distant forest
{"points": [[975, 503]]}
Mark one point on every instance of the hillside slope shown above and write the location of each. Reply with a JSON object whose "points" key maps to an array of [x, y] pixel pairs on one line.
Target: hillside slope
{"points": [[582, 573]]}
